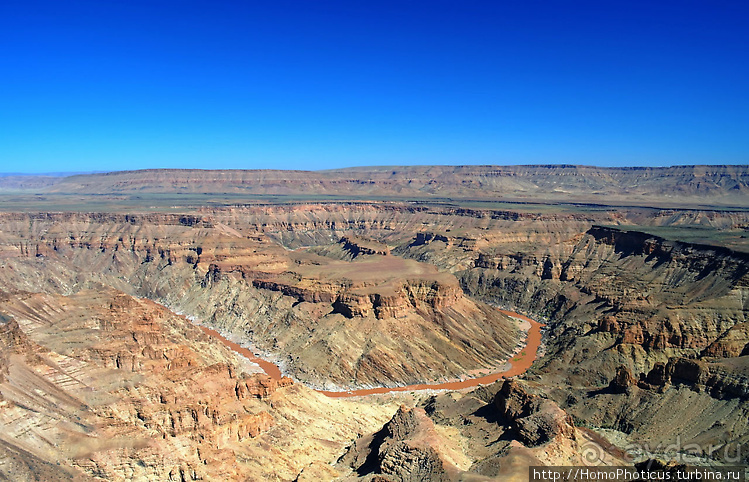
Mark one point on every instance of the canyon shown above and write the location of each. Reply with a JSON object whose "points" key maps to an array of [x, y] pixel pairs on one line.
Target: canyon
{"points": [[387, 284]]}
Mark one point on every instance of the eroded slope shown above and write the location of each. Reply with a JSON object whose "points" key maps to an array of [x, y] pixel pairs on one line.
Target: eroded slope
{"points": [[103, 385]]}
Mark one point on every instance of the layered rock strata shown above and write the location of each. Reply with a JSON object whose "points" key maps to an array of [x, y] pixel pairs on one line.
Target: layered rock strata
{"points": [[350, 315], [103, 385]]}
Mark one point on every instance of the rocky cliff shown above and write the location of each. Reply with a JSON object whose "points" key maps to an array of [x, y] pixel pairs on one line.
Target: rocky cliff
{"points": [[104, 385]]}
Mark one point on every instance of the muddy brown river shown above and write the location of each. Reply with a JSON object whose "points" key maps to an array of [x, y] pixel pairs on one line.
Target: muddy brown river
{"points": [[518, 365]]}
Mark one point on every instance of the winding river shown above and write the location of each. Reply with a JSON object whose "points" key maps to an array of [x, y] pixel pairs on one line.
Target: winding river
{"points": [[518, 365]]}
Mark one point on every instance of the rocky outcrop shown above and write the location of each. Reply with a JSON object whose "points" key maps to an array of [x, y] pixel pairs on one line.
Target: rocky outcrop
{"points": [[12, 338], [725, 379], [536, 420], [656, 378], [624, 381], [410, 450], [356, 246], [428, 237], [13, 341], [722, 380], [407, 449], [260, 386], [732, 343]]}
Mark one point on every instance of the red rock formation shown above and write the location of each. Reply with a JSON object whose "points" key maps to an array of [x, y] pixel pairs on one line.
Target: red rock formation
{"points": [[408, 448], [624, 381], [536, 420], [358, 246], [259, 386]]}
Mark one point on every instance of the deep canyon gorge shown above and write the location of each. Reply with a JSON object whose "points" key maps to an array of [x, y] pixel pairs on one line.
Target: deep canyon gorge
{"points": [[358, 280]]}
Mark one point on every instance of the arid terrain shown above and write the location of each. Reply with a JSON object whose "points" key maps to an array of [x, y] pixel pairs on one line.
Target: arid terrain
{"points": [[372, 279]]}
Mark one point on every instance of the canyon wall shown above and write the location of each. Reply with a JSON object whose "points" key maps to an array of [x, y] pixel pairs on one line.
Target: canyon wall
{"points": [[361, 294]]}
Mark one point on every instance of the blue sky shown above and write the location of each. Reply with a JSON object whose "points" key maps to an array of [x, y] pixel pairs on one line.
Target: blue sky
{"points": [[112, 85]]}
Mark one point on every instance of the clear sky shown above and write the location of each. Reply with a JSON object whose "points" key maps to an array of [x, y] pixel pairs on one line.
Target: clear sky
{"points": [[129, 84]]}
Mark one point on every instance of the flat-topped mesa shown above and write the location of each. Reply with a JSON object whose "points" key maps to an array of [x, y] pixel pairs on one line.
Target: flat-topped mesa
{"points": [[383, 300], [397, 302], [382, 286], [357, 246]]}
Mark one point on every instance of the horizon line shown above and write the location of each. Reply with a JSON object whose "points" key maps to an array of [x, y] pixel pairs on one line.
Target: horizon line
{"points": [[63, 174]]}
